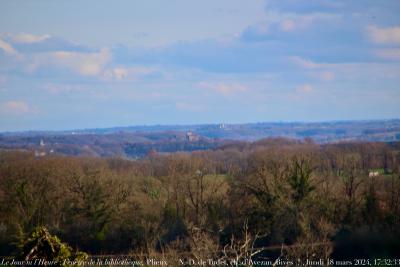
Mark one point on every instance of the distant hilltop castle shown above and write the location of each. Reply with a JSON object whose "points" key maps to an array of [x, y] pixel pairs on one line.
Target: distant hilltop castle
{"points": [[191, 137], [42, 150]]}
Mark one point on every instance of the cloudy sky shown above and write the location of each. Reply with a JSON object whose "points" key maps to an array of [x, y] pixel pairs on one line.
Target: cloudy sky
{"points": [[82, 64]]}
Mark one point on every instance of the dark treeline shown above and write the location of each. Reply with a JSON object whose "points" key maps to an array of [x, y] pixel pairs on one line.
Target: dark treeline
{"points": [[269, 198]]}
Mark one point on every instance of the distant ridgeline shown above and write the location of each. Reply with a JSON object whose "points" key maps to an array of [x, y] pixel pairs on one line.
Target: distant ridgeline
{"points": [[122, 144], [139, 141]]}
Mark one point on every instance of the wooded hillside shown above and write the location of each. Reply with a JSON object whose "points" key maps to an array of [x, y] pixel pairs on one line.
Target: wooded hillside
{"points": [[264, 199]]}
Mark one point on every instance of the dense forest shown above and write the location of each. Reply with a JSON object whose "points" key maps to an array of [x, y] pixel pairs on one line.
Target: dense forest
{"points": [[275, 198]]}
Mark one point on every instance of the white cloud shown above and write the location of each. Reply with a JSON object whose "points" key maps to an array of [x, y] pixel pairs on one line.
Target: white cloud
{"points": [[328, 67], [322, 71], [86, 64], [121, 73], [391, 54], [351, 71], [277, 22], [116, 73], [287, 25], [382, 35], [290, 21], [305, 88], [224, 88], [27, 38], [17, 108], [327, 76], [8, 49], [81, 63], [305, 63]]}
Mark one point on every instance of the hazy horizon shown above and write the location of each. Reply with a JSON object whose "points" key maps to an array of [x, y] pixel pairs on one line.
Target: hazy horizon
{"points": [[200, 124], [98, 64]]}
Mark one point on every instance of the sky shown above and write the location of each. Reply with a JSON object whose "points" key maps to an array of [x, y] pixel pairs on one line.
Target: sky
{"points": [[71, 64]]}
